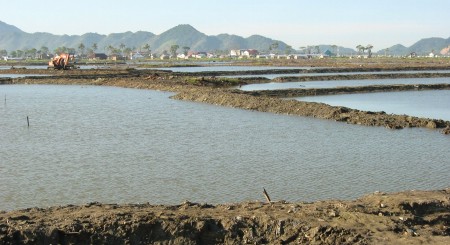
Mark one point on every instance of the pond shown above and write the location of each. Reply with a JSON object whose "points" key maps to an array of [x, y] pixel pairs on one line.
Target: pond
{"points": [[116, 145], [343, 83], [429, 104]]}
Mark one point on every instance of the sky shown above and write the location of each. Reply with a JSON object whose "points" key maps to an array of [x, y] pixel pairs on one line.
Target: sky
{"points": [[347, 23]]}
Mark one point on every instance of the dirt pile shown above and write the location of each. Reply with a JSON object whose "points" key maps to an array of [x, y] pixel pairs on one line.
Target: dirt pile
{"points": [[412, 217]]}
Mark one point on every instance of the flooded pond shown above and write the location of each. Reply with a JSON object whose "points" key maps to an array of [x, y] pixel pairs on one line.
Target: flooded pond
{"points": [[22, 75], [117, 145], [343, 83], [312, 74], [429, 104]]}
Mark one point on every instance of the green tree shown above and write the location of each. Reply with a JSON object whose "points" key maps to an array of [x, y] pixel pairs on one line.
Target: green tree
{"points": [[173, 50], [186, 50], [146, 47], [94, 47], [44, 50], [122, 47], [288, 50], [19, 53], [3, 52], [13, 54], [360, 48], [81, 48], [369, 50], [274, 46], [31, 53]]}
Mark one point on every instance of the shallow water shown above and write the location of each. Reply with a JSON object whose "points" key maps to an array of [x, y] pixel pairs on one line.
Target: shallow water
{"points": [[22, 75], [429, 104], [118, 145], [312, 74], [343, 83]]}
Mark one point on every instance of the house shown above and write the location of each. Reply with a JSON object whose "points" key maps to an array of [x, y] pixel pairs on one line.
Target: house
{"points": [[98, 56], [164, 57], [136, 56], [250, 53], [244, 53], [116, 57]]}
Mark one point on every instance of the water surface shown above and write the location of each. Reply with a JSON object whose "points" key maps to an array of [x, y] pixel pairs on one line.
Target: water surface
{"points": [[343, 83], [116, 145], [430, 103]]}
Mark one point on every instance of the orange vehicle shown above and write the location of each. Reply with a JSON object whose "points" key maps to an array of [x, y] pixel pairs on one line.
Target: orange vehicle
{"points": [[61, 62]]}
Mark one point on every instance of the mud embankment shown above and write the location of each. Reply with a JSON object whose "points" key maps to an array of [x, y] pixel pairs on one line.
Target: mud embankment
{"points": [[238, 99], [413, 217]]}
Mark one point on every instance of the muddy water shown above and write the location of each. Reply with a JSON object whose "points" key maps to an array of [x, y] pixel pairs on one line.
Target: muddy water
{"points": [[119, 145]]}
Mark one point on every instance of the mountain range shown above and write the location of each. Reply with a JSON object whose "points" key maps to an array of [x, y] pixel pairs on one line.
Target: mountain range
{"points": [[12, 38]]}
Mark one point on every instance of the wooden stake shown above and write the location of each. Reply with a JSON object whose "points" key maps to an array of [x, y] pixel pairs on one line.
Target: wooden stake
{"points": [[267, 196], [28, 121]]}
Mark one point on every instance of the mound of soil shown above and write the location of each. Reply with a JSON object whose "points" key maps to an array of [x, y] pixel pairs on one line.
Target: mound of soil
{"points": [[413, 217]]}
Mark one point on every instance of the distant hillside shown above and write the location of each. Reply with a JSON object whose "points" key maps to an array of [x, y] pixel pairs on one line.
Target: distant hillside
{"points": [[422, 47], [12, 38]]}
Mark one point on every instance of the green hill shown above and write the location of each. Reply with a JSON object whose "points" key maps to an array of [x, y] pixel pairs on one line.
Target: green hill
{"points": [[12, 38]]}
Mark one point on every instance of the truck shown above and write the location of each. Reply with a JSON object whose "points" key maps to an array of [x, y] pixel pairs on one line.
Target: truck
{"points": [[61, 62]]}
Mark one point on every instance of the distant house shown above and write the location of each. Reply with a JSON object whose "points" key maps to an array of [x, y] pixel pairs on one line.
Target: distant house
{"points": [[116, 57], [164, 57], [136, 56], [250, 53], [244, 53], [98, 56]]}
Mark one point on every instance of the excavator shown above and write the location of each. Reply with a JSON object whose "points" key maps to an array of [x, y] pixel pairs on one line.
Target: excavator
{"points": [[61, 62]]}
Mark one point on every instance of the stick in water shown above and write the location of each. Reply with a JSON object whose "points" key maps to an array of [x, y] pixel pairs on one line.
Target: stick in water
{"points": [[267, 196], [28, 121]]}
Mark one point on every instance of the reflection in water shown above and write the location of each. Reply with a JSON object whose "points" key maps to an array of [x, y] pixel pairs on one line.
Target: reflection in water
{"points": [[118, 145]]}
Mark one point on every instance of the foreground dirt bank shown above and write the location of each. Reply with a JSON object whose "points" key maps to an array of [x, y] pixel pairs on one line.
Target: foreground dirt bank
{"points": [[412, 217]]}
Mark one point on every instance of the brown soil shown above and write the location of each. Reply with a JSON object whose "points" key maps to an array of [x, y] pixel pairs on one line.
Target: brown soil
{"points": [[413, 217]]}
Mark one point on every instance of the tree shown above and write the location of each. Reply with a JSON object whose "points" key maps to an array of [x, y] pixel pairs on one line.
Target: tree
{"points": [[13, 54], [302, 48], [147, 47], [31, 53], [317, 48], [81, 48], [110, 49], [186, 50], [44, 50], [19, 53], [386, 51], [288, 50], [3, 52], [274, 46], [122, 47], [94, 47], [369, 48], [360, 48], [173, 50]]}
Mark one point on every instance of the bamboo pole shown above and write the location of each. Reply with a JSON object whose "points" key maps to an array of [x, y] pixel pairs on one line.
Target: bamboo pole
{"points": [[267, 196]]}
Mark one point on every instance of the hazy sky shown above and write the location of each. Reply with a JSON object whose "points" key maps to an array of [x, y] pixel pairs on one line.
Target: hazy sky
{"points": [[382, 23]]}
